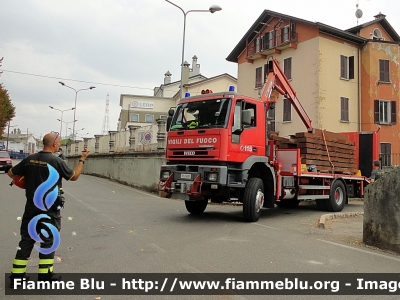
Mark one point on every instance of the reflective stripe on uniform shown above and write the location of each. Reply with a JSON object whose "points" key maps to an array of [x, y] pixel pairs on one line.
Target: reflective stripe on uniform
{"points": [[20, 262], [45, 270], [18, 270], [49, 261]]}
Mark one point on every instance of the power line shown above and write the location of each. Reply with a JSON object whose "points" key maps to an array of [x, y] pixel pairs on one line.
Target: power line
{"points": [[83, 81]]}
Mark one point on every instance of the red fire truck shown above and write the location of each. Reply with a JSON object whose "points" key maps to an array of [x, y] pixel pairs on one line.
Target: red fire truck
{"points": [[218, 150]]}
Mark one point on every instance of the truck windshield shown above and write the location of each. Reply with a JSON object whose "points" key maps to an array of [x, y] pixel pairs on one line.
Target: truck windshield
{"points": [[202, 114]]}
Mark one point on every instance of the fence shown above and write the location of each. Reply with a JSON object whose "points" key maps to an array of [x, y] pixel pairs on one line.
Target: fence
{"points": [[136, 139]]}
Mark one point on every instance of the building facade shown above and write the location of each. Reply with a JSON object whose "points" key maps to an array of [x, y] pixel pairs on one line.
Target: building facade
{"points": [[347, 80], [143, 111]]}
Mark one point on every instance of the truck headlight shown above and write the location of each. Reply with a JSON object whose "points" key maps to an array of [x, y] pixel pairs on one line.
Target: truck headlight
{"points": [[212, 176], [165, 174]]}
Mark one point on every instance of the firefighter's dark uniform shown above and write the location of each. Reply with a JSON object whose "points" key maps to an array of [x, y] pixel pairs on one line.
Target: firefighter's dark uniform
{"points": [[34, 169], [377, 173]]}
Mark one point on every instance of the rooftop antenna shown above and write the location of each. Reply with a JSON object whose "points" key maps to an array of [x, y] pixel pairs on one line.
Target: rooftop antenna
{"points": [[359, 12]]}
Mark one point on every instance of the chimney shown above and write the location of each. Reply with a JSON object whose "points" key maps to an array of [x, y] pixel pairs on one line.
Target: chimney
{"points": [[185, 74], [380, 15], [167, 78], [195, 66]]}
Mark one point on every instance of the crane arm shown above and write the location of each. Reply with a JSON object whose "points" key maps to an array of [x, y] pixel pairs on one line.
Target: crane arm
{"points": [[277, 83]]}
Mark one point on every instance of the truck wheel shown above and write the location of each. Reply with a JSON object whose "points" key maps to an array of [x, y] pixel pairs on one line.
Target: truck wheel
{"points": [[321, 204], [337, 197], [288, 203], [253, 199], [196, 207]]}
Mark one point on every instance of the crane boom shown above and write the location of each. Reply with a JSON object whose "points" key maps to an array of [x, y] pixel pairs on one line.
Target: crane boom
{"points": [[277, 83]]}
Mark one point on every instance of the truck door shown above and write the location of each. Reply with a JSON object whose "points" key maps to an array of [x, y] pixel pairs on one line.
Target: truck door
{"points": [[245, 138]]}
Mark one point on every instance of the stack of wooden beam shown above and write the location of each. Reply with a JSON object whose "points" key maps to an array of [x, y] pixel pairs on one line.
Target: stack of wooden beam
{"points": [[334, 150]]}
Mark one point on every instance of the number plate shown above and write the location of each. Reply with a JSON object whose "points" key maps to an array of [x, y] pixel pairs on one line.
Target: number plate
{"points": [[186, 176]]}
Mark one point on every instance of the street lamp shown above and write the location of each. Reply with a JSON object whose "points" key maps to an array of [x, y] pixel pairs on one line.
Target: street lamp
{"points": [[76, 96], [66, 125], [62, 112], [74, 133], [8, 132], [212, 10]]}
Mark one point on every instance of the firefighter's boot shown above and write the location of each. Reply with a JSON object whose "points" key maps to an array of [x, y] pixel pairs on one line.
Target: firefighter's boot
{"points": [[46, 270]]}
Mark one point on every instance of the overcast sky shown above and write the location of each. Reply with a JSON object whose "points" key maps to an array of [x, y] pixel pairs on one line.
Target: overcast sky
{"points": [[126, 46]]}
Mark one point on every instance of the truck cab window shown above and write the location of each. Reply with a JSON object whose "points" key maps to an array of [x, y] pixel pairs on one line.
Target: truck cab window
{"points": [[237, 122], [211, 113]]}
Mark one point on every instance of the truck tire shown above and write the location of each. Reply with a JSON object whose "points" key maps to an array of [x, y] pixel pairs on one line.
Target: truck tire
{"points": [[253, 199], [196, 207], [288, 203], [337, 197]]}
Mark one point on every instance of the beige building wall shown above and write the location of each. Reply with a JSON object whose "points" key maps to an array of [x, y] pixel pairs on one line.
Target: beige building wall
{"points": [[316, 80], [142, 105], [332, 87], [218, 85]]}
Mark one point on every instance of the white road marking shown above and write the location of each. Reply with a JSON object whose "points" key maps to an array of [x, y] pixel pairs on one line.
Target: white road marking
{"points": [[361, 250], [270, 227]]}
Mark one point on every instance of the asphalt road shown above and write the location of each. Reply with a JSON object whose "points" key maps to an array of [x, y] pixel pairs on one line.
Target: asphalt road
{"points": [[111, 228]]}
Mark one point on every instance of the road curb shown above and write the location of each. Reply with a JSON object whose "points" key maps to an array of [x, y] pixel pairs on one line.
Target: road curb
{"points": [[324, 218]]}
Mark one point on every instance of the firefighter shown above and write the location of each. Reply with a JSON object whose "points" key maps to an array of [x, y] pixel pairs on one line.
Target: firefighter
{"points": [[377, 172], [42, 173]]}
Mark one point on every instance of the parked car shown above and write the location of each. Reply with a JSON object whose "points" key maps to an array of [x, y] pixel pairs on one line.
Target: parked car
{"points": [[5, 161]]}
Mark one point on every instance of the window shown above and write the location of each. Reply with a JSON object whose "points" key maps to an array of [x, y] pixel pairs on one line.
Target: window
{"points": [[285, 34], [271, 119], [252, 108], [346, 67], [237, 121], [134, 118], [149, 118], [384, 70], [385, 112], [344, 109], [287, 110], [386, 154], [287, 67], [267, 42], [259, 81]]}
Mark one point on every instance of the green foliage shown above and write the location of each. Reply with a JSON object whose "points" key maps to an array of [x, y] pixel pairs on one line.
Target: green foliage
{"points": [[7, 109]]}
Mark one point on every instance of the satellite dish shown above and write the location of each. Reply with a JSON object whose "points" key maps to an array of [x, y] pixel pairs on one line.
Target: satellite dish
{"points": [[359, 13]]}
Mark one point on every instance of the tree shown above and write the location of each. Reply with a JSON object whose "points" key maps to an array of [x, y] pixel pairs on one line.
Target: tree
{"points": [[7, 109]]}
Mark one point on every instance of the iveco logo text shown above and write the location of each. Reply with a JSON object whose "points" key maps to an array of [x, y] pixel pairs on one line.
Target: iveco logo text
{"points": [[189, 153]]}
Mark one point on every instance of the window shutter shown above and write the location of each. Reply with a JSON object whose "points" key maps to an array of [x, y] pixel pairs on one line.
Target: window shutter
{"points": [[351, 67], [376, 111], [293, 30], [393, 118], [342, 66]]}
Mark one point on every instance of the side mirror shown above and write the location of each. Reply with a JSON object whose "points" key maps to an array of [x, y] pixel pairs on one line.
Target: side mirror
{"points": [[171, 112], [246, 117]]}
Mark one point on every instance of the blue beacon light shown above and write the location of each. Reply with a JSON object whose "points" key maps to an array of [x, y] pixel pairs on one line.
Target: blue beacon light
{"points": [[231, 88], [187, 94]]}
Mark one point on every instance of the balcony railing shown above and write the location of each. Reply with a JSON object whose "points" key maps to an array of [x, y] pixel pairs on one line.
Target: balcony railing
{"points": [[269, 46]]}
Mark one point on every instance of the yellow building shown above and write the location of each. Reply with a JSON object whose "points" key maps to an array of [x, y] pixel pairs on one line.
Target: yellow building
{"points": [[336, 74]]}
